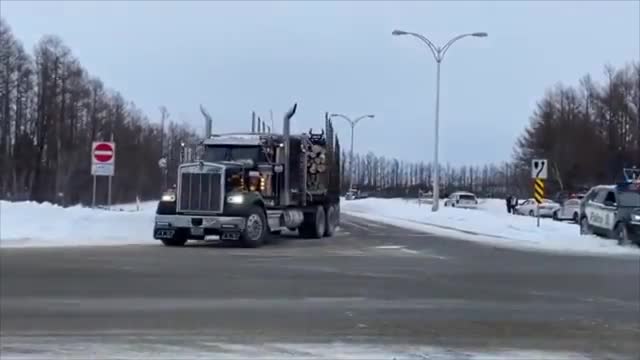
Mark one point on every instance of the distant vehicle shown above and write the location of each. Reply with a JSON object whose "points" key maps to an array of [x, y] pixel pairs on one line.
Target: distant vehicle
{"points": [[362, 195], [612, 211], [570, 210], [352, 194], [530, 207], [462, 199], [562, 196]]}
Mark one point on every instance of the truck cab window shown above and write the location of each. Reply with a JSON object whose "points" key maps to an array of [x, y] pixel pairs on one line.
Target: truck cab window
{"points": [[233, 153]]}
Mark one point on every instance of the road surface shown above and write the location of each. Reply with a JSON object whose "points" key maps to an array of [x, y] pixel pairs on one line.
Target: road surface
{"points": [[374, 291]]}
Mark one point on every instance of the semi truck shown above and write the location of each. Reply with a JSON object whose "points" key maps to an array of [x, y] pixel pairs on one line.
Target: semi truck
{"points": [[248, 187]]}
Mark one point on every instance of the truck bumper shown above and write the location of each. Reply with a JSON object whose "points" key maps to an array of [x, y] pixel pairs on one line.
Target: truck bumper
{"points": [[196, 227]]}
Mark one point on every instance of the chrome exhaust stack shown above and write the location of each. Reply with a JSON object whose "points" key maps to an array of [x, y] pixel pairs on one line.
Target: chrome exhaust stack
{"points": [[286, 134]]}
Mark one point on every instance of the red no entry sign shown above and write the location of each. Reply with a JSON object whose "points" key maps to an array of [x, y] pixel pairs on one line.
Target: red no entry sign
{"points": [[103, 152]]}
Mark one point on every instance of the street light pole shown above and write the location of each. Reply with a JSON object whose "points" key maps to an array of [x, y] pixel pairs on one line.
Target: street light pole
{"points": [[353, 124], [438, 54]]}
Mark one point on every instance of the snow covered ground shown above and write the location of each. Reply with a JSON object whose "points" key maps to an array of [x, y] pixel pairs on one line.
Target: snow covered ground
{"points": [[212, 349], [489, 224], [29, 224]]}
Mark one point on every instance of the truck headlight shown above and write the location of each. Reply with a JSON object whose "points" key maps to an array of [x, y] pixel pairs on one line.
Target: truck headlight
{"points": [[635, 217], [235, 199], [169, 197]]}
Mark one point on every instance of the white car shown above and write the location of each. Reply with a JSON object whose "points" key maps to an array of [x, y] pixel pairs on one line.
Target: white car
{"points": [[529, 207], [462, 199], [570, 210]]}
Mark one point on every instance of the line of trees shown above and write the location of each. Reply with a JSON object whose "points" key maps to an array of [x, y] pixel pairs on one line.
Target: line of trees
{"points": [[51, 109], [386, 177], [588, 133]]}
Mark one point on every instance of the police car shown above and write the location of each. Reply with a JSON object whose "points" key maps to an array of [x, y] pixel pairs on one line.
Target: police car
{"points": [[612, 211]]}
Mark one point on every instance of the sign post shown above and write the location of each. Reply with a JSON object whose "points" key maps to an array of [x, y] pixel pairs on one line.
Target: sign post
{"points": [[103, 154], [538, 174]]}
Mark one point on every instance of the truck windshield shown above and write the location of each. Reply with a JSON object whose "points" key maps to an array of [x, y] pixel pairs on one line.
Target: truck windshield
{"points": [[629, 199], [231, 153]]}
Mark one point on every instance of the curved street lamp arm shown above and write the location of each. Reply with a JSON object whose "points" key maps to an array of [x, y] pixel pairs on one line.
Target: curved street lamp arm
{"points": [[344, 117], [434, 49], [357, 120], [450, 42]]}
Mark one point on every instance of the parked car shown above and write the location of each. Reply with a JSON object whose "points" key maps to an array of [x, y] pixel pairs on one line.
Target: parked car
{"points": [[562, 196], [355, 194], [612, 211], [462, 199], [351, 195], [570, 210], [530, 207]]}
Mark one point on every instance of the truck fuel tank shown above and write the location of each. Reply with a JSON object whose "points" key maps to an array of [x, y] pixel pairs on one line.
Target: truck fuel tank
{"points": [[292, 218]]}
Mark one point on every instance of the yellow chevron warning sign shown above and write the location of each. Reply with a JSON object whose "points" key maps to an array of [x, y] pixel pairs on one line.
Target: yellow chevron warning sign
{"points": [[538, 190]]}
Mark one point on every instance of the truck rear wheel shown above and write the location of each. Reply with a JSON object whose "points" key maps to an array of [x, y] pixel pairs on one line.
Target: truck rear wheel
{"points": [[314, 224], [255, 229], [331, 221]]}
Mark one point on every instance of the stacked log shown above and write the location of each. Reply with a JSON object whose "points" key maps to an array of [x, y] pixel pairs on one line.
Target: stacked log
{"points": [[316, 153]]}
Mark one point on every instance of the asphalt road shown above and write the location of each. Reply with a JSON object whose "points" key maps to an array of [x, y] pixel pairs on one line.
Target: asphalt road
{"points": [[373, 290]]}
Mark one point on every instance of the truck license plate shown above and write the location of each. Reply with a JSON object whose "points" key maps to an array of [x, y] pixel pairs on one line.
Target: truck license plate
{"points": [[197, 231], [164, 234], [230, 236]]}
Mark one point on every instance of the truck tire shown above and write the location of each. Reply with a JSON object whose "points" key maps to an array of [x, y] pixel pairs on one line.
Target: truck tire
{"points": [[255, 230], [313, 225], [331, 222], [175, 242]]}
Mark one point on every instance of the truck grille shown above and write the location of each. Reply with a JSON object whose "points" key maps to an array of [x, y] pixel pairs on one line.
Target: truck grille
{"points": [[200, 192]]}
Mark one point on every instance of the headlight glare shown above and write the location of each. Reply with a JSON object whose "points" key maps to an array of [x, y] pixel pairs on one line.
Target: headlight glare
{"points": [[235, 199], [168, 197]]}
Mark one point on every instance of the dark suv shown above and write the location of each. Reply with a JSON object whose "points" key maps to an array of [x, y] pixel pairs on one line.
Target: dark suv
{"points": [[612, 211]]}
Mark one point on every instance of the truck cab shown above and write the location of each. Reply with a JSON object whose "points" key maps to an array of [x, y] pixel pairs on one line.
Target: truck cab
{"points": [[247, 186]]}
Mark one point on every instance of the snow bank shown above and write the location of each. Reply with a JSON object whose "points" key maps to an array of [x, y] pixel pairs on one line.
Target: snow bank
{"points": [[486, 225], [30, 224], [48, 348]]}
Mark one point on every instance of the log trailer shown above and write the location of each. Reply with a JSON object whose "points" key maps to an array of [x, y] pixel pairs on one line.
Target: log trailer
{"points": [[247, 187]]}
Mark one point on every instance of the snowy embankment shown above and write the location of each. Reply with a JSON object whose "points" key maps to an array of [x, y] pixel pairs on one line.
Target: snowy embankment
{"points": [[489, 224], [29, 224]]}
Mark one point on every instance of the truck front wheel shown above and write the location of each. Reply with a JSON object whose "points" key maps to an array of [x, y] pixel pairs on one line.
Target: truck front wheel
{"points": [[255, 229], [314, 223]]}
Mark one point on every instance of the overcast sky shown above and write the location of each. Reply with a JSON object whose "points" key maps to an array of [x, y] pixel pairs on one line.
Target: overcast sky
{"points": [[340, 57]]}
